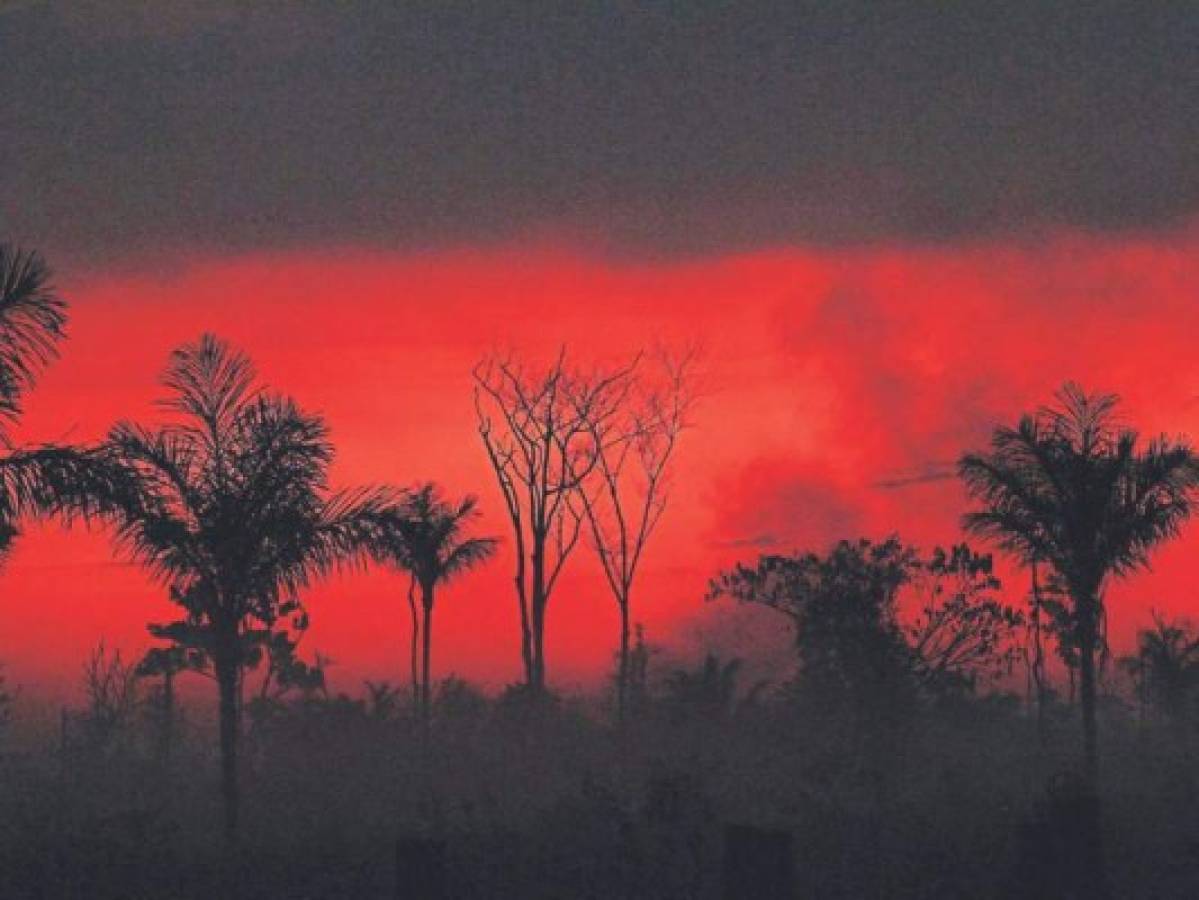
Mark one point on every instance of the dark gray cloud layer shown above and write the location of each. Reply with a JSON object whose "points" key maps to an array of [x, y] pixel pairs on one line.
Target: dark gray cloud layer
{"points": [[131, 127]]}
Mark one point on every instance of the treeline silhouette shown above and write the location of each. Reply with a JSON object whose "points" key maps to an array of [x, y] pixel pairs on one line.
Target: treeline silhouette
{"points": [[939, 738]]}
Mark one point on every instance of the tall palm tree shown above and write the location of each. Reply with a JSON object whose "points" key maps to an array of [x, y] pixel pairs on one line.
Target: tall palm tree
{"points": [[429, 541], [233, 511], [1072, 488]]}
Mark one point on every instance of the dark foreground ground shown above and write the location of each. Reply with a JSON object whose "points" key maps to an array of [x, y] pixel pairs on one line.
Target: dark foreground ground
{"points": [[345, 801]]}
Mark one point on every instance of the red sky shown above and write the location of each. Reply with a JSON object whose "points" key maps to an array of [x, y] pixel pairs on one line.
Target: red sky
{"points": [[826, 371]]}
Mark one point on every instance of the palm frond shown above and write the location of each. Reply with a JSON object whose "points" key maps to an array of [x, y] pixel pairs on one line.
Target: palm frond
{"points": [[210, 381], [469, 555], [1072, 488], [32, 322]]}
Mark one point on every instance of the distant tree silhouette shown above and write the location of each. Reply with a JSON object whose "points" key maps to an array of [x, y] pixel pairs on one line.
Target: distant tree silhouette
{"points": [[854, 646], [1071, 488], [709, 691], [638, 694], [233, 511], [6, 701], [429, 541], [456, 698], [628, 489], [167, 663], [110, 687], [962, 631], [1165, 667], [382, 700], [842, 609], [537, 431]]}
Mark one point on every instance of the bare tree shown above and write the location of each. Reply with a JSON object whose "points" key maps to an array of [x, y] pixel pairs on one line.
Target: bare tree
{"points": [[110, 685], [626, 494], [537, 429]]}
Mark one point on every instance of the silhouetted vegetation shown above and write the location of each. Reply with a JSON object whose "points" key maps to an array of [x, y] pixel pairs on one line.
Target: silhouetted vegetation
{"points": [[628, 488], [232, 511], [854, 649], [428, 541], [1165, 669], [539, 431], [898, 759]]}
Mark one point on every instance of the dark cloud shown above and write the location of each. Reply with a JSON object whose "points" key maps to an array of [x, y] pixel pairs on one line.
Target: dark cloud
{"points": [[650, 127]]}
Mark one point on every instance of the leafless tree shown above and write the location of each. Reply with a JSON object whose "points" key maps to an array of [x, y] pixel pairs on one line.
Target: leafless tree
{"points": [[110, 685], [627, 491], [538, 430]]}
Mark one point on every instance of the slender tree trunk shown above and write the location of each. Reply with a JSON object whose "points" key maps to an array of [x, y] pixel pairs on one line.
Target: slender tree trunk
{"points": [[414, 648], [1038, 665], [426, 691], [622, 675], [522, 603], [168, 714], [1086, 673], [227, 682], [1093, 878], [526, 633], [537, 681]]}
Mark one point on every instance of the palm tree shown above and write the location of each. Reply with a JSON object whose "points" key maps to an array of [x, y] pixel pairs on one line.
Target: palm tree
{"points": [[233, 512], [430, 543], [1071, 488]]}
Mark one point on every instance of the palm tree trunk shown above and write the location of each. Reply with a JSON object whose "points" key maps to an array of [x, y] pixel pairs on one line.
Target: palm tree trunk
{"points": [[414, 648], [226, 674], [1086, 672], [1038, 664], [426, 660], [168, 715], [1094, 873]]}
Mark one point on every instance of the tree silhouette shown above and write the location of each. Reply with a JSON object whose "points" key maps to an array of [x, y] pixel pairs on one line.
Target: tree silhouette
{"points": [[962, 631], [628, 489], [6, 701], [429, 541], [233, 511], [537, 431], [1165, 667], [854, 645], [842, 607], [708, 691], [167, 663], [1071, 488]]}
